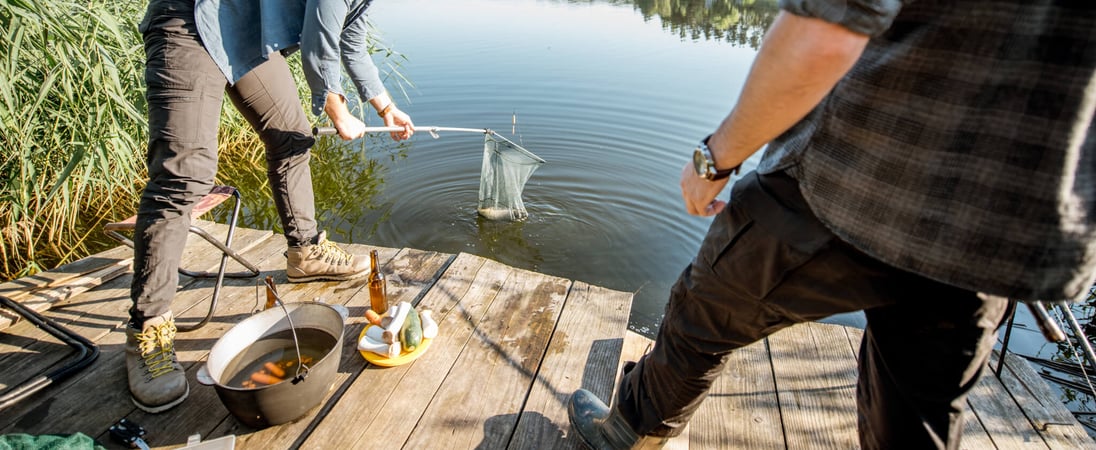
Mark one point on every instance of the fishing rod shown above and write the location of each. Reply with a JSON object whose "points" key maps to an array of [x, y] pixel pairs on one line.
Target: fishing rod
{"points": [[1049, 326]]}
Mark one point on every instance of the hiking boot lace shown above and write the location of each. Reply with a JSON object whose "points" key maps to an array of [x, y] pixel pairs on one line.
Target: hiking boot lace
{"points": [[332, 254], [157, 346]]}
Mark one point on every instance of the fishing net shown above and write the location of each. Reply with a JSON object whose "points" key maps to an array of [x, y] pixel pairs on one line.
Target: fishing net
{"points": [[506, 168]]}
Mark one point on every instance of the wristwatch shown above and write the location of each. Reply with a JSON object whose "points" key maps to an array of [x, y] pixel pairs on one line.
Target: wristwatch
{"points": [[705, 164]]}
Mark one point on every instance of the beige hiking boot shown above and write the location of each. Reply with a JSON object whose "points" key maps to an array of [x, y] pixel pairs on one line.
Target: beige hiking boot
{"points": [[324, 261], [156, 380]]}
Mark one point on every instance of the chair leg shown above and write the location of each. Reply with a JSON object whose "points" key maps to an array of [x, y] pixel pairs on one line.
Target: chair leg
{"points": [[121, 238], [211, 200], [225, 248], [226, 252]]}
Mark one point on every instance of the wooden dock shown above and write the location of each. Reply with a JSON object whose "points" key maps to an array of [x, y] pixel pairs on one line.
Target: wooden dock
{"points": [[513, 345]]}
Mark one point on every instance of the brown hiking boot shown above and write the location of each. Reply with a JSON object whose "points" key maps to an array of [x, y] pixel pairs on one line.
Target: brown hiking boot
{"points": [[323, 261], [156, 380]]}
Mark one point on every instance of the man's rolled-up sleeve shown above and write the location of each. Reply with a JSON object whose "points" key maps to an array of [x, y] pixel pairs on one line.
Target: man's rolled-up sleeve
{"points": [[355, 54], [868, 17], [320, 49]]}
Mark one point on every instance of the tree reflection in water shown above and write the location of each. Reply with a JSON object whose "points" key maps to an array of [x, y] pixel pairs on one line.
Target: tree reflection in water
{"points": [[739, 22]]}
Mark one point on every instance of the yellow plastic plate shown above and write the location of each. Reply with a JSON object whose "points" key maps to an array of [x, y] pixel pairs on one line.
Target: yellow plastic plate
{"points": [[404, 357]]}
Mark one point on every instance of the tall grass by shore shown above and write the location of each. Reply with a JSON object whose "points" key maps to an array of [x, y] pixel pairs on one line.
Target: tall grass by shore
{"points": [[72, 124], [73, 128]]}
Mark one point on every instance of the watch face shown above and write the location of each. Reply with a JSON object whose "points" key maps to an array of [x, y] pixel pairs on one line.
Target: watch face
{"points": [[700, 163]]}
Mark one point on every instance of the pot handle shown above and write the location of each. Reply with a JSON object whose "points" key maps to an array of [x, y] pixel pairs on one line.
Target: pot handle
{"points": [[341, 309], [204, 377]]}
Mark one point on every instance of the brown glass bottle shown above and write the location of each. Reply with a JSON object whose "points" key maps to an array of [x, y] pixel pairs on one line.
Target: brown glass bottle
{"points": [[378, 291], [271, 292]]}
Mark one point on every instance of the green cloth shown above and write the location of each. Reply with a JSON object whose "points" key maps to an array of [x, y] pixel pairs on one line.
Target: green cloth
{"points": [[21, 441]]}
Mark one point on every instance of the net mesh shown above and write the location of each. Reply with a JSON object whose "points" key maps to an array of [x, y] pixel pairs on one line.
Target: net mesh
{"points": [[506, 168]]}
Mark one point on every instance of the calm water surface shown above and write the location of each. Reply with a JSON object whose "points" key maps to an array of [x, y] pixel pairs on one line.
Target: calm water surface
{"points": [[614, 101]]}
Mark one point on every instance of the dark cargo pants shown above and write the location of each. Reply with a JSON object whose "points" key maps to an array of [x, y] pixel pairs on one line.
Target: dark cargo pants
{"points": [[185, 93], [768, 263]]}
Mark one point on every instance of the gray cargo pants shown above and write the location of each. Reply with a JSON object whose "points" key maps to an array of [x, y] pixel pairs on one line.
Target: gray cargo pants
{"points": [[185, 93], [768, 263]]}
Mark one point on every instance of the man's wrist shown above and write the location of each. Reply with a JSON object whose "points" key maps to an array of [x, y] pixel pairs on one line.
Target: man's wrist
{"points": [[335, 106], [387, 109], [705, 164]]}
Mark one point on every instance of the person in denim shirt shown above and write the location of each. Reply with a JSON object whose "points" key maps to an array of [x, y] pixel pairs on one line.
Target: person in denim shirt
{"points": [[925, 162], [196, 53]]}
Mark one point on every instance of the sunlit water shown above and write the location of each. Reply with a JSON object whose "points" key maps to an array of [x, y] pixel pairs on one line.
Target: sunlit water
{"points": [[613, 102]]}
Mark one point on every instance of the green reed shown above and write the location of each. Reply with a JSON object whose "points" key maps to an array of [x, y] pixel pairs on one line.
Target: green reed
{"points": [[71, 124], [73, 129]]}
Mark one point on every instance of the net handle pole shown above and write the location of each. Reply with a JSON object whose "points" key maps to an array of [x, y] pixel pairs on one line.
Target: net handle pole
{"points": [[331, 131]]}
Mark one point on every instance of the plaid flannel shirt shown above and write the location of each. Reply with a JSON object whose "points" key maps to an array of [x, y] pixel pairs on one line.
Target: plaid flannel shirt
{"points": [[961, 145]]}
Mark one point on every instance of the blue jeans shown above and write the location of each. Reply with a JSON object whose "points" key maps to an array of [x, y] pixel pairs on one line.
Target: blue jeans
{"points": [[768, 263], [185, 93]]}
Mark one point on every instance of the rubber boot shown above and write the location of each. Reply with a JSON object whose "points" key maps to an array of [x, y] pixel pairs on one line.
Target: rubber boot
{"points": [[602, 428]]}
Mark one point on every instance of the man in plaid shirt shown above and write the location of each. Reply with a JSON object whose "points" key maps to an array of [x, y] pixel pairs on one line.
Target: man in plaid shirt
{"points": [[925, 162]]}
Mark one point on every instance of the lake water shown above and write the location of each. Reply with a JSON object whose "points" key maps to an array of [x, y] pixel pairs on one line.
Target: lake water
{"points": [[613, 100]]}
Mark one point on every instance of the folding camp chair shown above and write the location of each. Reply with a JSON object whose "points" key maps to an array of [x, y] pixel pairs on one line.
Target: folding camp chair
{"points": [[215, 197]]}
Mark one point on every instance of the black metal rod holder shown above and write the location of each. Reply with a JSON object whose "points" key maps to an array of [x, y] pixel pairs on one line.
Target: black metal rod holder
{"points": [[86, 352]]}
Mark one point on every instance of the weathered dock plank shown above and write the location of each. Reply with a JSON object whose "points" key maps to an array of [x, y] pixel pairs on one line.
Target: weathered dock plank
{"points": [[975, 436], [1003, 420], [40, 291], [817, 398], [587, 335], [1054, 423], [742, 409], [388, 401], [484, 391]]}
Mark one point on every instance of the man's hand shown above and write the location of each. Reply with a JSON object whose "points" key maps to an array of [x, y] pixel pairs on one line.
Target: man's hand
{"points": [[348, 126], [700, 194], [393, 116], [397, 118]]}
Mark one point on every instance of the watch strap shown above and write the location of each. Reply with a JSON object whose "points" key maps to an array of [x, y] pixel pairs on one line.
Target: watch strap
{"points": [[718, 174]]}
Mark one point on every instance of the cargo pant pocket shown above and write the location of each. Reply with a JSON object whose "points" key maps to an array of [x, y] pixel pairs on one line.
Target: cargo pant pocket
{"points": [[767, 233]]}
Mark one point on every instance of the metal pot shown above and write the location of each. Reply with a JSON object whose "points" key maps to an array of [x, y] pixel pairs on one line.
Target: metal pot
{"points": [[308, 328]]}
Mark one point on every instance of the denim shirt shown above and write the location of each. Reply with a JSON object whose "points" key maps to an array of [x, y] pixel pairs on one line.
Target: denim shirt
{"points": [[241, 34]]}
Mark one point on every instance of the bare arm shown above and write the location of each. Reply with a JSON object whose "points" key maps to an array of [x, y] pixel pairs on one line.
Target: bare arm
{"points": [[799, 62], [334, 31], [350, 127]]}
